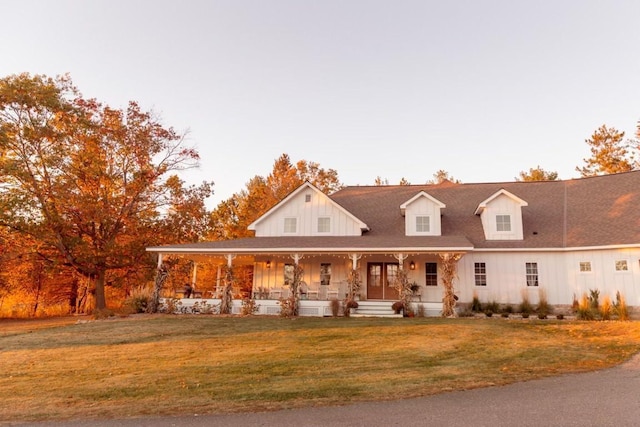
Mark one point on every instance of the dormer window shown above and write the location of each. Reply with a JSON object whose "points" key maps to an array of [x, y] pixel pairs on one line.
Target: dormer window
{"points": [[290, 225], [501, 216], [503, 222], [422, 215], [422, 224]]}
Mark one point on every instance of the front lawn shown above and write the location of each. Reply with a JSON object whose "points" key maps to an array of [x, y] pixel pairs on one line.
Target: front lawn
{"points": [[65, 368]]}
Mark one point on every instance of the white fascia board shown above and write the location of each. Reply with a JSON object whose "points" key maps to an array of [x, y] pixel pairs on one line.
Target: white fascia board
{"points": [[482, 206], [168, 250], [304, 185], [422, 194], [291, 195], [307, 250], [568, 249]]}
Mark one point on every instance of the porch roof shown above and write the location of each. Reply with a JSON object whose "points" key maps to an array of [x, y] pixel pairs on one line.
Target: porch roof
{"points": [[327, 244]]}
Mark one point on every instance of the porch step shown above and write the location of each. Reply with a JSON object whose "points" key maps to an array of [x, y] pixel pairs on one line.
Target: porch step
{"points": [[375, 309]]}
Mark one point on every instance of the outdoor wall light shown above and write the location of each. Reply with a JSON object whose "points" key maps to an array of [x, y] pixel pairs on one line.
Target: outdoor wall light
{"points": [[268, 264], [412, 266]]}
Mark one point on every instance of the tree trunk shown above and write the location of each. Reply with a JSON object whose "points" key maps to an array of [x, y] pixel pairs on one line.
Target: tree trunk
{"points": [[101, 301], [38, 277], [73, 295], [81, 303], [37, 298]]}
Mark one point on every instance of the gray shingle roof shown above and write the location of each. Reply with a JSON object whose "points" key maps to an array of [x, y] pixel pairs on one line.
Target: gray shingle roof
{"points": [[595, 211]]}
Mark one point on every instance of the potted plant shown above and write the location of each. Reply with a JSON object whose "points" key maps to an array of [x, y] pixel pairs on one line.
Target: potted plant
{"points": [[350, 307], [398, 307]]}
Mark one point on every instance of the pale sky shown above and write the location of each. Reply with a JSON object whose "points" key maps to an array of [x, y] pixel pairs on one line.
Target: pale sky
{"points": [[481, 89]]}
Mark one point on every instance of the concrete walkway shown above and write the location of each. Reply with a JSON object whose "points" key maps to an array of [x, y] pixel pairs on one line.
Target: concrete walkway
{"points": [[609, 397]]}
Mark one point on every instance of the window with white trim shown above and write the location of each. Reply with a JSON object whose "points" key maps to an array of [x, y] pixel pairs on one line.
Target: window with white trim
{"points": [[622, 265], [585, 266], [325, 274], [324, 224], [532, 273], [503, 222], [423, 224], [431, 274], [480, 269], [290, 225]]}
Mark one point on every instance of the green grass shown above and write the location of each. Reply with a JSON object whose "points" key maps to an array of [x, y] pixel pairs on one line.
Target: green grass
{"points": [[61, 369]]}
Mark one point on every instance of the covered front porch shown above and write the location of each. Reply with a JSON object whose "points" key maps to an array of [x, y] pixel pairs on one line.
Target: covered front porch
{"points": [[323, 277]]}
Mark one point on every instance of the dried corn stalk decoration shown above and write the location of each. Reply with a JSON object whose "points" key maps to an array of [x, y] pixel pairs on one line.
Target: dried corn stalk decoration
{"points": [[449, 267], [354, 282], [298, 274], [226, 299], [403, 286], [162, 274]]}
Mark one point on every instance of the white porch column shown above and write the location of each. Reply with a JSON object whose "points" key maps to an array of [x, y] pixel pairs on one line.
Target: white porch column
{"points": [[194, 273], [230, 258], [354, 260], [218, 279], [401, 257]]}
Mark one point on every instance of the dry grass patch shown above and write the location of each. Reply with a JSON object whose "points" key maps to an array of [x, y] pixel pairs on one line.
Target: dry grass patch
{"points": [[198, 364]]}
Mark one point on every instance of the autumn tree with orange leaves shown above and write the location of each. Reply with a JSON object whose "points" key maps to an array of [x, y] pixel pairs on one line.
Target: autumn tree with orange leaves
{"points": [[537, 174], [232, 216], [92, 185], [610, 153]]}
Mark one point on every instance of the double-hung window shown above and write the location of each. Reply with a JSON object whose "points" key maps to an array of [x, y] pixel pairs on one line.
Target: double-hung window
{"points": [[480, 269], [431, 271], [532, 273]]}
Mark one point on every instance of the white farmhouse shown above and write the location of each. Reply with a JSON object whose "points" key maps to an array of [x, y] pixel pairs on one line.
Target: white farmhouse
{"points": [[566, 237]]}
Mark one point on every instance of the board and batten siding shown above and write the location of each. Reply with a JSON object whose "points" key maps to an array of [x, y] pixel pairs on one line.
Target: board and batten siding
{"points": [[603, 275], [307, 214], [273, 277], [558, 274]]}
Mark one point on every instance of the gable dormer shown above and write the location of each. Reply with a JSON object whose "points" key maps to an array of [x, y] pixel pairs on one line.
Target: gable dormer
{"points": [[422, 215], [307, 211], [501, 216]]}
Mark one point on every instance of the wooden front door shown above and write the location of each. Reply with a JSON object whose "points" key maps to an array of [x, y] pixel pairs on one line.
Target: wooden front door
{"points": [[380, 281]]}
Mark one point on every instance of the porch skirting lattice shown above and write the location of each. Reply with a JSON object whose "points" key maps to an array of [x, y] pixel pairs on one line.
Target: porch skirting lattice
{"points": [[307, 308]]}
